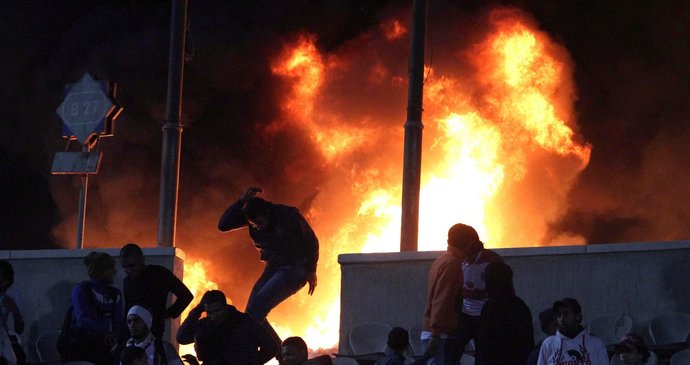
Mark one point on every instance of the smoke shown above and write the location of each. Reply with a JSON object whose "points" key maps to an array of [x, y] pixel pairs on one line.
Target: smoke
{"points": [[631, 79]]}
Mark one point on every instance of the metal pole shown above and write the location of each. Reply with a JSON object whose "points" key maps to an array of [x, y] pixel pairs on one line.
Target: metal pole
{"points": [[172, 129], [81, 213], [412, 163]]}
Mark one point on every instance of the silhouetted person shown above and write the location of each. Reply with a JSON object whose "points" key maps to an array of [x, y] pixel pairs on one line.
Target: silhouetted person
{"points": [[474, 294], [444, 290], [98, 317], [505, 335], [149, 285], [294, 351], [158, 352], [549, 325], [226, 335], [398, 340], [571, 344], [10, 307], [287, 245], [632, 350]]}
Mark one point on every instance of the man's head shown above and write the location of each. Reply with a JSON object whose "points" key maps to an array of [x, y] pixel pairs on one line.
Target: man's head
{"points": [[101, 267], [548, 322], [256, 210], [132, 260], [293, 351], [216, 306], [6, 275], [569, 316], [632, 349], [499, 280], [464, 238], [398, 339], [139, 322]]}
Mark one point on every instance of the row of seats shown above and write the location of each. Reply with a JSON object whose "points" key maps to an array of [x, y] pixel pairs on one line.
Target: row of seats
{"points": [[670, 328]]}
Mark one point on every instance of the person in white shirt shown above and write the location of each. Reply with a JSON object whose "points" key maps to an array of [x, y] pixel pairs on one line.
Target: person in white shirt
{"points": [[572, 344]]}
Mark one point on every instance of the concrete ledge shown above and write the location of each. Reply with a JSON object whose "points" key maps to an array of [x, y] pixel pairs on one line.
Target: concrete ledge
{"points": [[68, 253], [364, 258]]}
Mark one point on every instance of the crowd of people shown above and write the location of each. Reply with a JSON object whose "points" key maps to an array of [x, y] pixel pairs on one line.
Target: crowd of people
{"points": [[470, 296]]}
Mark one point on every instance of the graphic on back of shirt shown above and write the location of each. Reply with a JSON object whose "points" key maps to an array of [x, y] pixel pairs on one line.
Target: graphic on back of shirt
{"points": [[579, 356]]}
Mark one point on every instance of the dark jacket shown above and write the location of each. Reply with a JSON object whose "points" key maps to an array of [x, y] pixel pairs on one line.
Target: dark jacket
{"points": [[287, 241], [505, 335], [238, 341], [151, 290]]}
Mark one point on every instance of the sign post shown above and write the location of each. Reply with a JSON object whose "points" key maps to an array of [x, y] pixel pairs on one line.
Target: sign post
{"points": [[87, 113]]}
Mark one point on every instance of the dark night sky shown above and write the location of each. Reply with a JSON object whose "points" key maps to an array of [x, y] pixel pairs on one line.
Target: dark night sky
{"points": [[632, 74]]}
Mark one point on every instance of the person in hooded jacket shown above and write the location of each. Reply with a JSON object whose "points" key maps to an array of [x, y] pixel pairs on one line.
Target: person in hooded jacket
{"points": [[572, 344]]}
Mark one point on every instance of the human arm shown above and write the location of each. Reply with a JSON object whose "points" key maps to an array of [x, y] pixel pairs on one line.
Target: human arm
{"points": [[188, 328], [183, 296], [171, 356], [85, 313], [445, 298], [12, 301], [264, 340], [233, 217], [6, 351]]}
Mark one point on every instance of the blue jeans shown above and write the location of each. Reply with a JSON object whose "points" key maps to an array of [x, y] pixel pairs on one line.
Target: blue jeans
{"points": [[274, 286], [447, 351]]}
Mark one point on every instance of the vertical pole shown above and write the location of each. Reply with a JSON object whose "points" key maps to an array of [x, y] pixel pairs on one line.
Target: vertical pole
{"points": [[81, 212], [412, 163], [172, 129]]}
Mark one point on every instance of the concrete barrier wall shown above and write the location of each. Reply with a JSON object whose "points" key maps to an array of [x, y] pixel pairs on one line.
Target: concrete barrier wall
{"points": [[641, 280], [46, 278]]}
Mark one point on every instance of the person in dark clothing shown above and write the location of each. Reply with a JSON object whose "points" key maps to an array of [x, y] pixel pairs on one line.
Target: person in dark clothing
{"points": [[133, 355], [226, 335], [149, 285], [98, 318], [294, 351], [10, 307], [398, 340], [287, 245], [549, 325], [505, 335]]}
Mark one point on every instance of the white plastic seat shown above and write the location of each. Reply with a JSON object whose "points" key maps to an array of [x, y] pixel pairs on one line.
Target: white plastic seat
{"points": [[610, 329], [681, 358], [652, 360], [46, 346], [415, 332], [669, 328], [369, 337]]}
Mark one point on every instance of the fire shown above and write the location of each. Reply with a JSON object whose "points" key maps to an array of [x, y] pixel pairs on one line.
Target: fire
{"points": [[501, 147], [196, 279]]}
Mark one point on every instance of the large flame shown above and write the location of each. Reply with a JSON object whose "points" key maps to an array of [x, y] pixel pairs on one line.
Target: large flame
{"points": [[501, 148]]}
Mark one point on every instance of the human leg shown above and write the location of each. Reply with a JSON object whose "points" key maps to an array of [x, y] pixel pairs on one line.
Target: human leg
{"points": [[468, 331], [273, 287]]}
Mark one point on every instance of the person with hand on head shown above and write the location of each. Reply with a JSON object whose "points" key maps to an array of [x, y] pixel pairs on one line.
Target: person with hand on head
{"points": [[287, 244], [572, 343], [158, 352], [226, 335], [150, 285]]}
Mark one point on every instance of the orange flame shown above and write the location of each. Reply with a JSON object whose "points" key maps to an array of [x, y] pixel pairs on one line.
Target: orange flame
{"points": [[502, 148]]}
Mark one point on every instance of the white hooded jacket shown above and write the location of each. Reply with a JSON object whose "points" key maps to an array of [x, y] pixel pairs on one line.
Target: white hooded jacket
{"points": [[583, 349]]}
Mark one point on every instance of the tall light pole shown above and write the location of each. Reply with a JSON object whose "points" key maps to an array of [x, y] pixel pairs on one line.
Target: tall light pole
{"points": [[412, 163], [172, 129]]}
